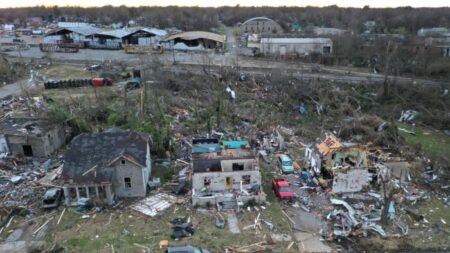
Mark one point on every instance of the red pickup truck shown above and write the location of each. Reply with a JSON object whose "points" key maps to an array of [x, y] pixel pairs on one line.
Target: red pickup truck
{"points": [[281, 188]]}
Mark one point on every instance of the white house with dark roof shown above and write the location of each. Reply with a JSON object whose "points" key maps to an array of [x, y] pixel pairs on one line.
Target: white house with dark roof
{"points": [[105, 166]]}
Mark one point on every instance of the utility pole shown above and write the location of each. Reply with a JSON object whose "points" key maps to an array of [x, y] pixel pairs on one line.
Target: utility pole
{"points": [[173, 54], [389, 52]]}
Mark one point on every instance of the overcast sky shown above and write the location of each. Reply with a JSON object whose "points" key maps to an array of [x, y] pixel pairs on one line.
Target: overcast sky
{"points": [[215, 3]]}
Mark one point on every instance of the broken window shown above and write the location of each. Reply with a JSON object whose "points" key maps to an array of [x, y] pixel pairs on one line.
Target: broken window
{"points": [[326, 50], [72, 193], [101, 192], [238, 166], [127, 182], [27, 150], [206, 181], [82, 191], [122, 161], [246, 179], [92, 192]]}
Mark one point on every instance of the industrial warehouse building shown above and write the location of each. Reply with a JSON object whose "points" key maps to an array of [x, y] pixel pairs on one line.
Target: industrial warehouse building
{"points": [[295, 46], [194, 41], [77, 35]]}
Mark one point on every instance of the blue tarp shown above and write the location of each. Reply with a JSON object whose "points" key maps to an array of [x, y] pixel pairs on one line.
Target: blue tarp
{"points": [[205, 148], [235, 144]]}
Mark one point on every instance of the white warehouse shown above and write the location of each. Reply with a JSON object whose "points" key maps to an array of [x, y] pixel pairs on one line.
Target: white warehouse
{"points": [[295, 46]]}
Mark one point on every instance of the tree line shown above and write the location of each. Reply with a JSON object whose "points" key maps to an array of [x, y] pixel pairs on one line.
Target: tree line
{"points": [[388, 20]]}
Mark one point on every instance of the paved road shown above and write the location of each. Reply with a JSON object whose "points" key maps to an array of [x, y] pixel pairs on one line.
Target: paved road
{"points": [[227, 59], [12, 89], [196, 61], [305, 74]]}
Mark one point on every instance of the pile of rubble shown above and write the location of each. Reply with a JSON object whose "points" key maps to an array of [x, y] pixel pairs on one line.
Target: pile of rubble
{"points": [[358, 190], [21, 184], [18, 105]]}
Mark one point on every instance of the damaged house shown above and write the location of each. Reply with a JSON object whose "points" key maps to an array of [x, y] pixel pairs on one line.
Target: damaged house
{"points": [[105, 166], [347, 163], [227, 176], [330, 153], [30, 137]]}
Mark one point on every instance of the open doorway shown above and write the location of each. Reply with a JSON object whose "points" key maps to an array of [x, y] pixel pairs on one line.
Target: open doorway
{"points": [[228, 183], [27, 150]]}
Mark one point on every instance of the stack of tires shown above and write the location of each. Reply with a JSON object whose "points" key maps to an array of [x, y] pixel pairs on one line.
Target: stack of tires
{"points": [[70, 83]]}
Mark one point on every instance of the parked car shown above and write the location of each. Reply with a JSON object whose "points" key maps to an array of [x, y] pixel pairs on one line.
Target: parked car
{"points": [[285, 164], [281, 188], [52, 198], [185, 249]]}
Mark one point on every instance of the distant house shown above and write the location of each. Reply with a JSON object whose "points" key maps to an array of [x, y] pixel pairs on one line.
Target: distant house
{"points": [[227, 176], [8, 27], [371, 39], [329, 31], [434, 32], [261, 25], [73, 24], [442, 44], [34, 22], [295, 27], [30, 137], [105, 166], [295, 46], [330, 153], [24, 31], [117, 25], [369, 26]]}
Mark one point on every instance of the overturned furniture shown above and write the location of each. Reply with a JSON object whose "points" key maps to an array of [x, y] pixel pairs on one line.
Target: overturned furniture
{"points": [[103, 166]]}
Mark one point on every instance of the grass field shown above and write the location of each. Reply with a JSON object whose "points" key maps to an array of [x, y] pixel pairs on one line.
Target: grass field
{"points": [[433, 143]]}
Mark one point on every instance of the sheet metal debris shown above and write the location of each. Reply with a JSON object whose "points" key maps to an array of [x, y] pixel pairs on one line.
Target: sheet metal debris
{"points": [[153, 205], [408, 115], [351, 181]]}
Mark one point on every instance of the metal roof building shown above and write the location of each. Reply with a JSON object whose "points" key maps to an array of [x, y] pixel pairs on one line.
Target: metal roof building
{"points": [[84, 31], [195, 35], [194, 40], [261, 25], [295, 46]]}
